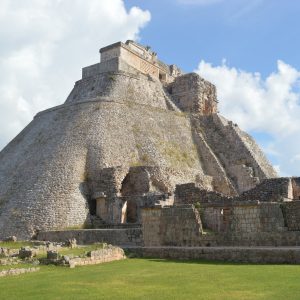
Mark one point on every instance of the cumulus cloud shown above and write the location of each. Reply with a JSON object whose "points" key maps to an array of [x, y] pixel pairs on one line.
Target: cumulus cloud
{"points": [[268, 105], [44, 45]]}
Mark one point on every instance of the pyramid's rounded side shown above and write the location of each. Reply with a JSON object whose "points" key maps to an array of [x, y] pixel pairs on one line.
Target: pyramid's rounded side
{"points": [[43, 171]]}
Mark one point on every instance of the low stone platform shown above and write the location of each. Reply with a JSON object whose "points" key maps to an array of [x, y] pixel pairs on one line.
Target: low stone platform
{"points": [[118, 237], [14, 272], [287, 255]]}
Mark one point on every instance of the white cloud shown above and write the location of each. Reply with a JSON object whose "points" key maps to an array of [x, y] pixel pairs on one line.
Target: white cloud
{"points": [[44, 45], [270, 106]]}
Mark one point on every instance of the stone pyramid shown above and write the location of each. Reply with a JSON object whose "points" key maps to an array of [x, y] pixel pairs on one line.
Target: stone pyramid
{"points": [[132, 125]]}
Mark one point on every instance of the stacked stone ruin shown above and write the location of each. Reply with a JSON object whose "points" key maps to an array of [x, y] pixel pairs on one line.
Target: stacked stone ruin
{"points": [[139, 155]]}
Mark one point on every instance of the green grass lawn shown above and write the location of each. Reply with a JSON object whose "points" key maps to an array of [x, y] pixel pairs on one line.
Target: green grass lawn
{"points": [[15, 245], [16, 266], [156, 279]]}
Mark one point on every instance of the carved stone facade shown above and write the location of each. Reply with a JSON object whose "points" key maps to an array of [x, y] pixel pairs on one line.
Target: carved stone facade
{"points": [[132, 57]]}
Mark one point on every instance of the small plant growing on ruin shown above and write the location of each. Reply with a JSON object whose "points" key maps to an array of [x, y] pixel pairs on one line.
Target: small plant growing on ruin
{"points": [[145, 158], [197, 206], [111, 77]]}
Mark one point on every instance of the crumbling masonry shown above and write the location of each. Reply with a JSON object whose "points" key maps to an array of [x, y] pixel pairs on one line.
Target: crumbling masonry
{"points": [[139, 154]]}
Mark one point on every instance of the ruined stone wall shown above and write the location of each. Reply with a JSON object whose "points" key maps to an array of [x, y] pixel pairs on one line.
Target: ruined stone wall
{"points": [[175, 226], [151, 226], [291, 212], [270, 190], [296, 188], [121, 192], [109, 52], [269, 239], [119, 237], [215, 219], [136, 182], [256, 153], [91, 70], [210, 162], [44, 171], [237, 152], [243, 219], [180, 226], [119, 87], [139, 202], [191, 93], [136, 57], [236, 254], [53, 169], [17, 271], [139, 63], [98, 257], [189, 193], [238, 214], [116, 64], [238, 224], [266, 217], [107, 181]]}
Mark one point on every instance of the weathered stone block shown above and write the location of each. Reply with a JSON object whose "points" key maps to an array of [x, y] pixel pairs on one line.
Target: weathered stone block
{"points": [[53, 255]]}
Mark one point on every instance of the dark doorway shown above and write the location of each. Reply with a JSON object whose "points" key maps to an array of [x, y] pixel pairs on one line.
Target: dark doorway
{"points": [[131, 214]]}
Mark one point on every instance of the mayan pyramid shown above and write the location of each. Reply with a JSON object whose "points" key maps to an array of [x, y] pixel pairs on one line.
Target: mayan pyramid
{"points": [[129, 114]]}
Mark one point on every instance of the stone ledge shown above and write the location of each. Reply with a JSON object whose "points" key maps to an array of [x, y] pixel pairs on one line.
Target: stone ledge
{"points": [[120, 237], [14, 272], [287, 255]]}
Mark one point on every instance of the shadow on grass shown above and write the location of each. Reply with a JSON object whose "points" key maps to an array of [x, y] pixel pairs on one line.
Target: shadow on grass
{"points": [[211, 262]]}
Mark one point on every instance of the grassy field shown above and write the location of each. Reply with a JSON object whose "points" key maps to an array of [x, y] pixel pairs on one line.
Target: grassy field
{"points": [[156, 279], [15, 245]]}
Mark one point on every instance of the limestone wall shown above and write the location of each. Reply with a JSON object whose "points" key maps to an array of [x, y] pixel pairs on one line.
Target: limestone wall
{"points": [[175, 226], [116, 64], [111, 51], [98, 257], [244, 219], [17, 271], [266, 217], [244, 163], [136, 57], [53, 170], [270, 190], [119, 237], [121, 192], [151, 226], [189, 193], [211, 165], [44, 171], [119, 87], [236, 254], [107, 181], [291, 211], [143, 65], [91, 70], [238, 224], [296, 188], [191, 93]]}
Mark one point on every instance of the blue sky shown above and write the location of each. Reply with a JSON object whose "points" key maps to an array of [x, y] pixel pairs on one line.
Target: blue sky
{"points": [[248, 48], [251, 35]]}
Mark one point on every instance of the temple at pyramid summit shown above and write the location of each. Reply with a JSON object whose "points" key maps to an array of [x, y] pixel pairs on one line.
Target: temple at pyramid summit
{"points": [[139, 155]]}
